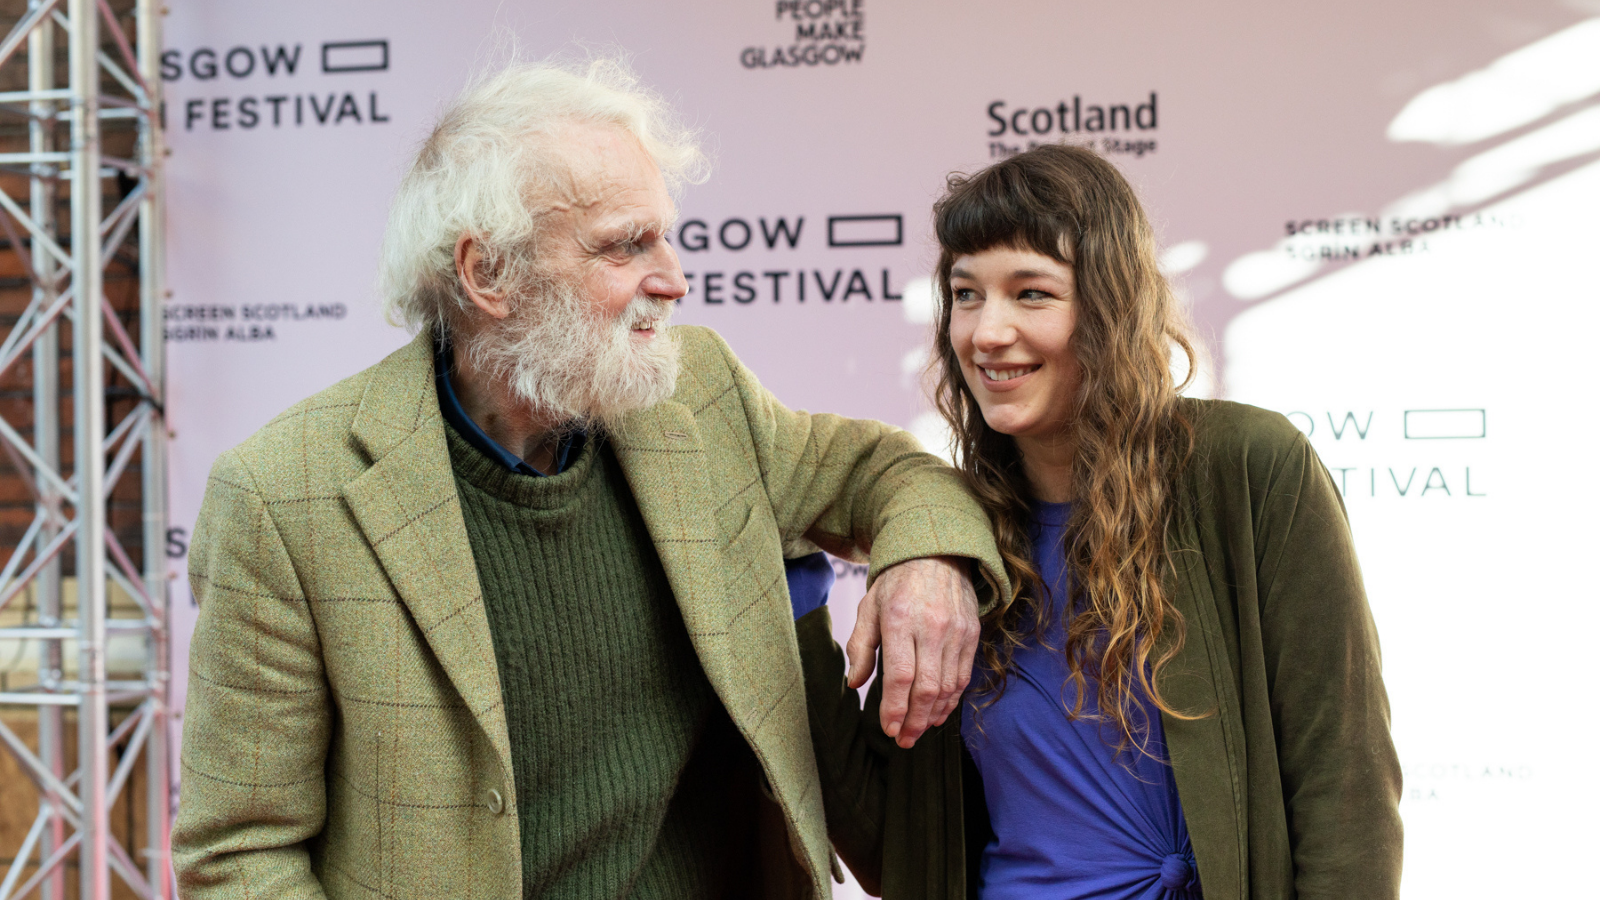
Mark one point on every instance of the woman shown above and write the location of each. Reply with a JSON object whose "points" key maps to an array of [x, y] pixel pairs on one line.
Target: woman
{"points": [[1184, 697]]}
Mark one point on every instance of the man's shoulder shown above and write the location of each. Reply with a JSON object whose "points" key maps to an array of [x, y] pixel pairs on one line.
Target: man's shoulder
{"points": [[308, 435], [313, 441]]}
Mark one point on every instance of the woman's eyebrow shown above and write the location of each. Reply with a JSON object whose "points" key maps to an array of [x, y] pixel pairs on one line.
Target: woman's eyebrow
{"points": [[1018, 275]]}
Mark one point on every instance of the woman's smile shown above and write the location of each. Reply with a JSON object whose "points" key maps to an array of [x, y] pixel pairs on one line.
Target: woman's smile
{"points": [[1003, 377]]}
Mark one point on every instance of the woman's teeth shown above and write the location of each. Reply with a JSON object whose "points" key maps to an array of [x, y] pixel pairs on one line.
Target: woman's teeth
{"points": [[1007, 374]]}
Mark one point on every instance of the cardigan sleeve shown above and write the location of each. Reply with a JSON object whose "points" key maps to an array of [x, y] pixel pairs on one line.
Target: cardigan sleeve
{"points": [[896, 817], [851, 761], [1330, 713]]}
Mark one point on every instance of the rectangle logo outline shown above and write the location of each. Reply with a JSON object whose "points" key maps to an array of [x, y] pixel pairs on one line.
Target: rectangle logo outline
{"points": [[1482, 426], [834, 240], [329, 66]]}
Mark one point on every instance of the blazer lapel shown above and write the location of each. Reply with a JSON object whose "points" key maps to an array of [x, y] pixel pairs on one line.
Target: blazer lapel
{"points": [[406, 505], [665, 464]]}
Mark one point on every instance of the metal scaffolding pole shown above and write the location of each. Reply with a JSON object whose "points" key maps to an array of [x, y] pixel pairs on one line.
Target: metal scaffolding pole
{"points": [[46, 425], [152, 342], [89, 407], [112, 82]]}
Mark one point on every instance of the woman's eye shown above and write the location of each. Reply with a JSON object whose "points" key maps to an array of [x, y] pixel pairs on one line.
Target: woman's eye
{"points": [[1032, 294], [965, 295]]}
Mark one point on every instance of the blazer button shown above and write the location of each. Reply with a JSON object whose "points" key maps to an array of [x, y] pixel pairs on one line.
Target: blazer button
{"points": [[497, 803]]}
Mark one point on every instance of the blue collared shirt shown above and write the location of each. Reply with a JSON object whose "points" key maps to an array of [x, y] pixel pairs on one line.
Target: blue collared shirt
{"points": [[450, 407]]}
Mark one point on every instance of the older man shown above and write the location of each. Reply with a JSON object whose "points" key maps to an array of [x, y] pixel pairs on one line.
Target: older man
{"points": [[505, 614]]}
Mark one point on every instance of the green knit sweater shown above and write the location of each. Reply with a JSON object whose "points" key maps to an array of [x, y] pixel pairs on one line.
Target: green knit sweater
{"points": [[630, 778]]}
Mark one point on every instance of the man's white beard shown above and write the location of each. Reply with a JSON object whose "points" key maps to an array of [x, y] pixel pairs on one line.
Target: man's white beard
{"points": [[557, 355]]}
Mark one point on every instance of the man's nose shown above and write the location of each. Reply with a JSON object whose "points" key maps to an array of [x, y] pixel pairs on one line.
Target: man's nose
{"points": [[665, 281]]}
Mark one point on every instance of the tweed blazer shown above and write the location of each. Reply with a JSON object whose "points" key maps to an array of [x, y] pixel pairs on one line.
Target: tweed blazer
{"points": [[345, 734]]}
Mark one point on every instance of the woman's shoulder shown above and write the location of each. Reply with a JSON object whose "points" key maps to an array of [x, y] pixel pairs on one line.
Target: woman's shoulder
{"points": [[1239, 441], [1223, 425]]}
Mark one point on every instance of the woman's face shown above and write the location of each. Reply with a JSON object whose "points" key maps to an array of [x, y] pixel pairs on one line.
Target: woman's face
{"points": [[1011, 323]]}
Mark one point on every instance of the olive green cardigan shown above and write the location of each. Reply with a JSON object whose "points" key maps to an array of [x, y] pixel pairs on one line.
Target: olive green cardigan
{"points": [[1289, 782]]}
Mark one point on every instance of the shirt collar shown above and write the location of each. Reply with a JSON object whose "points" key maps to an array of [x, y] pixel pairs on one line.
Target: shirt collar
{"points": [[450, 408]]}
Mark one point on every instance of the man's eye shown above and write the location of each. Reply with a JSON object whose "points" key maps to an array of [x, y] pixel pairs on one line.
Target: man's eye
{"points": [[623, 250]]}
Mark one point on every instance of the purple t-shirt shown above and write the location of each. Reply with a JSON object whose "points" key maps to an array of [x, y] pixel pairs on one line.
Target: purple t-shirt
{"points": [[1072, 818]]}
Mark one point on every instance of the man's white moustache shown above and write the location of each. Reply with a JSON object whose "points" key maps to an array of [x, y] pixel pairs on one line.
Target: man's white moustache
{"points": [[642, 312]]}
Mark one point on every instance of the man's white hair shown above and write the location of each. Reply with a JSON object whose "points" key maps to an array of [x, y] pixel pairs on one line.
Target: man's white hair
{"points": [[494, 165]]}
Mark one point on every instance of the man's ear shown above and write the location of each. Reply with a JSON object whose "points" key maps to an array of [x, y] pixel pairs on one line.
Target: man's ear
{"points": [[472, 271]]}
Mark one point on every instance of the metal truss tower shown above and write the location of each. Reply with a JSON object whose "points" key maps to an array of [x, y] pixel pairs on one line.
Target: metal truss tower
{"points": [[110, 87]]}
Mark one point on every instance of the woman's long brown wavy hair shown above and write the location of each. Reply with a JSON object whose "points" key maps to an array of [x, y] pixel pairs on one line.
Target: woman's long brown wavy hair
{"points": [[1129, 436]]}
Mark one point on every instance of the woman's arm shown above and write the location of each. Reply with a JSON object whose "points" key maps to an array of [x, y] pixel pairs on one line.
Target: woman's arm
{"points": [[1340, 774], [896, 817], [852, 752]]}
